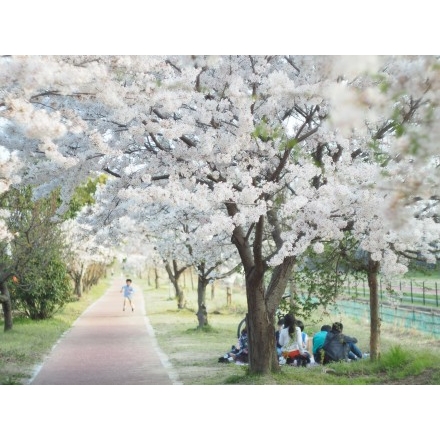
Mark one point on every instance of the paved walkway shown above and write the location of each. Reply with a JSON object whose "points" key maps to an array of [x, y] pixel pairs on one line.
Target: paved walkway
{"points": [[106, 346]]}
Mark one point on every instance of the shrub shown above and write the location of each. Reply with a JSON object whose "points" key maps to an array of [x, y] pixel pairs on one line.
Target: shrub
{"points": [[39, 294]]}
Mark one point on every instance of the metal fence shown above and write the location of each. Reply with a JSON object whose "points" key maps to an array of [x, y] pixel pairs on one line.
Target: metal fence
{"points": [[411, 304], [419, 318], [407, 292]]}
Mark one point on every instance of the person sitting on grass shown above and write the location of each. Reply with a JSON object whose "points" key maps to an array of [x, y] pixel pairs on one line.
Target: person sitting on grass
{"points": [[291, 333], [337, 346], [304, 335], [318, 342], [239, 353]]}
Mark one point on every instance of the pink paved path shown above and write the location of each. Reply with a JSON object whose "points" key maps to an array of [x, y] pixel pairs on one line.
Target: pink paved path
{"points": [[106, 346]]}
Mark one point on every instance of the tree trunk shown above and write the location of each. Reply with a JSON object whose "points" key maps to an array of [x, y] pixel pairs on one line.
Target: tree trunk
{"points": [[5, 299], [91, 276], [373, 269], [261, 329], [191, 277], [174, 275], [78, 282], [202, 313], [213, 290], [228, 296], [262, 304], [156, 277], [181, 302]]}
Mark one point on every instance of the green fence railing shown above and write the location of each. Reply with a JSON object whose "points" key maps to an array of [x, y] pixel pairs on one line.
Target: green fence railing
{"points": [[419, 318], [416, 292]]}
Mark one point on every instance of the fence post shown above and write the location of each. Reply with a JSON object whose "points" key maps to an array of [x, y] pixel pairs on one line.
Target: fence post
{"points": [[363, 286], [423, 291]]}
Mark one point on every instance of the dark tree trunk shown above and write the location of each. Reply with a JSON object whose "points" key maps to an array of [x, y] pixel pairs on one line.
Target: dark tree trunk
{"points": [[5, 299], [261, 330], [181, 301], [174, 274], [262, 305], [202, 313], [373, 269]]}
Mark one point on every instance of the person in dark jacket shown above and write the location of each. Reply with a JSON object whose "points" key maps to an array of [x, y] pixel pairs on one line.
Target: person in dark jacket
{"points": [[239, 353], [338, 346]]}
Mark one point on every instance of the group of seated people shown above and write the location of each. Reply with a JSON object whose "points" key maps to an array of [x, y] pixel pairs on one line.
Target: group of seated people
{"points": [[295, 348], [328, 345], [292, 342], [331, 345]]}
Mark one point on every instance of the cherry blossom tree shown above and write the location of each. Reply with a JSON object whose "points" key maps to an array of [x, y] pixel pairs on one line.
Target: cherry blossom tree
{"points": [[9, 165], [397, 187], [281, 150], [82, 254], [179, 239], [180, 234]]}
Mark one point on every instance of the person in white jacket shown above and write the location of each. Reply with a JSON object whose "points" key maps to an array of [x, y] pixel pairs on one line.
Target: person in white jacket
{"points": [[289, 335]]}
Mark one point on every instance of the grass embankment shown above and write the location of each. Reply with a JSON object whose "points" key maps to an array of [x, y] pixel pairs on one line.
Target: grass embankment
{"points": [[24, 347], [407, 356]]}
